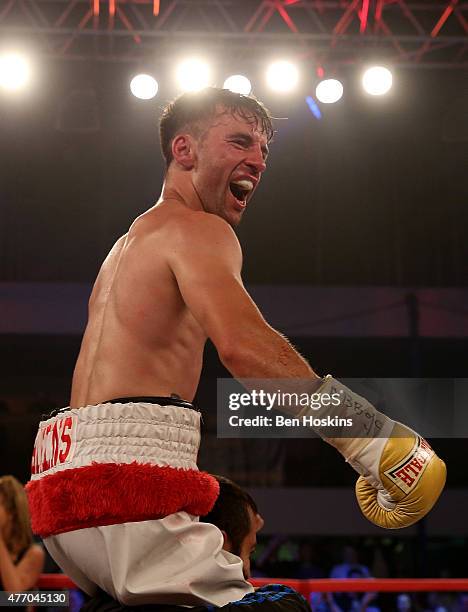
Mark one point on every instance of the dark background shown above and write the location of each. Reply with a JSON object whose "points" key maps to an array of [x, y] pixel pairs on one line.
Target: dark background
{"points": [[373, 194]]}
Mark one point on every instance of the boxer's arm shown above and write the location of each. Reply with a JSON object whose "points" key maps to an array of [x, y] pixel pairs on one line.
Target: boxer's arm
{"points": [[206, 260]]}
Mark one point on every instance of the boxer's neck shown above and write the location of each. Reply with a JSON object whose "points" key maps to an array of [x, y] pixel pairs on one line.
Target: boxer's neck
{"points": [[178, 186]]}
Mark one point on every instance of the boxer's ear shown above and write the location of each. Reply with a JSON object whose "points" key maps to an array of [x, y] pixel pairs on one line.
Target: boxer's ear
{"points": [[183, 151]]}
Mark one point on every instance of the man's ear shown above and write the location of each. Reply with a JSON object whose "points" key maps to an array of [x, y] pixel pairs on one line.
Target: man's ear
{"points": [[259, 522], [226, 541], [183, 151]]}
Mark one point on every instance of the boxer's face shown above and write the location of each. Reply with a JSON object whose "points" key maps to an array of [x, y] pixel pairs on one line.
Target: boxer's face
{"points": [[231, 149], [250, 541]]}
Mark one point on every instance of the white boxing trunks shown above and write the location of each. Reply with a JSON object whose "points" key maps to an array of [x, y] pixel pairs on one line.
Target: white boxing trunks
{"points": [[116, 494]]}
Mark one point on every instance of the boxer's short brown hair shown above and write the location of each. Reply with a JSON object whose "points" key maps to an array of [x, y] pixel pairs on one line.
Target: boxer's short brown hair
{"points": [[192, 109]]}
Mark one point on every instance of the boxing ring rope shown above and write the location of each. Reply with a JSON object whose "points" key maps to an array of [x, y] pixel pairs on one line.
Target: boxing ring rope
{"points": [[326, 585], [361, 585]]}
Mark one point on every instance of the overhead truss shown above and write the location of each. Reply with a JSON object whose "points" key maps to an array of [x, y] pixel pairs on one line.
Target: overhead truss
{"points": [[407, 32]]}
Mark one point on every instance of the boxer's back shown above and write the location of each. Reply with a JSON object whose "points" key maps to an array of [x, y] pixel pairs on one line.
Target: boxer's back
{"points": [[141, 339]]}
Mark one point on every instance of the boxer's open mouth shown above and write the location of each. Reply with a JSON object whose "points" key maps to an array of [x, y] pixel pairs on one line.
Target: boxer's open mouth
{"points": [[241, 189]]}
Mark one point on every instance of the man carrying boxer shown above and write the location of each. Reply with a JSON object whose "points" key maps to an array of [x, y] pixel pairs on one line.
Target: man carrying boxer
{"points": [[236, 514], [170, 283]]}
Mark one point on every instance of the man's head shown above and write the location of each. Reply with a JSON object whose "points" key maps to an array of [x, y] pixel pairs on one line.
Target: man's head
{"points": [[236, 515], [219, 140]]}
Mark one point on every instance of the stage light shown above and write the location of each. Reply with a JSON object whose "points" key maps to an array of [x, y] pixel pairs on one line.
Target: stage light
{"points": [[144, 86], [282, 76], [193, 74], [238, 84], [329, 91], [377, 80], [15, 71]]}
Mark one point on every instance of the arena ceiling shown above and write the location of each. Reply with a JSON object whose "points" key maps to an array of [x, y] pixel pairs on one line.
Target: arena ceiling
{"points": [[326, 32]]}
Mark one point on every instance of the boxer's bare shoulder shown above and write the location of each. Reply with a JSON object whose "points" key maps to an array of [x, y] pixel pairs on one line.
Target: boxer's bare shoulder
{"points": [[142, 338], [198, 236]]}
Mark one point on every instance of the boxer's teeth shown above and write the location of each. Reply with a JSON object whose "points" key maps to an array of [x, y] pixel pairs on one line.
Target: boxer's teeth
{"points": [[245, 184]]}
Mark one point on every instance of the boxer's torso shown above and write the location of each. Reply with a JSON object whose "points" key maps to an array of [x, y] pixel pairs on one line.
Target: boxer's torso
{"points": [[141, 339]]}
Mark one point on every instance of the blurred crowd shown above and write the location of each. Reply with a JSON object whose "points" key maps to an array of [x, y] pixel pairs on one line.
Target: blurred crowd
{"points": [[304, 558]]}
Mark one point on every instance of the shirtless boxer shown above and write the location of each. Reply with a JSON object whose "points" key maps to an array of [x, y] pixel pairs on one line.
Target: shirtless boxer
{"points": [[119, 465]]}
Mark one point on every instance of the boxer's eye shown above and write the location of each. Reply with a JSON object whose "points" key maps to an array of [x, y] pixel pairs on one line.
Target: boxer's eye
{"points": [[240, 143]]}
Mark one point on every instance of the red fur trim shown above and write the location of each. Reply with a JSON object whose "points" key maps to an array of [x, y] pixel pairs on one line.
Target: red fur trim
{"points": [[110, 493]]}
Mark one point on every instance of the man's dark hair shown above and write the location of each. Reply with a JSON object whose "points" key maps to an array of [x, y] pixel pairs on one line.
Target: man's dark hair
{"points": [[230, 512], [191, 109]]}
